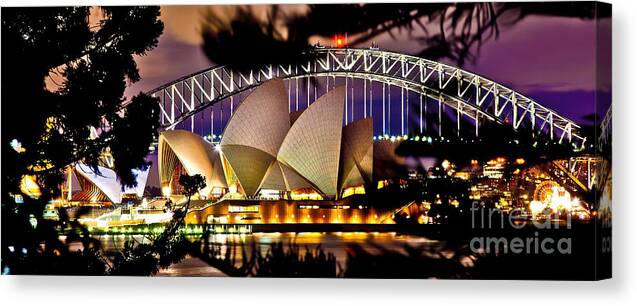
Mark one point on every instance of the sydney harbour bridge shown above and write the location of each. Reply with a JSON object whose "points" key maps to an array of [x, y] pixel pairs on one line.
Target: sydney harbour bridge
{"points": [[400, 92]]}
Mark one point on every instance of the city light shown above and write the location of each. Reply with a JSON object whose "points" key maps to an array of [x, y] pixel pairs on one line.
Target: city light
{"points": [[536, 207], [340, 41], [165, 191], [555, 199], [30, 187], [446, 164], [17, 146]]}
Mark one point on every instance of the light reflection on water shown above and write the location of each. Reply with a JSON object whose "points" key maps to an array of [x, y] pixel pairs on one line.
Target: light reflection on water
{"points": [[335, 243]]}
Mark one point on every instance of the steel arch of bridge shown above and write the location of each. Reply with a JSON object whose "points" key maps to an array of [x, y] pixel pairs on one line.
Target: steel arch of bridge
{"points": [[469, 94]]}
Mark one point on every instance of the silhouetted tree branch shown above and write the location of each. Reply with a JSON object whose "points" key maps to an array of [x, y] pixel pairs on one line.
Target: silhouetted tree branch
{"points": [[454, 31]]}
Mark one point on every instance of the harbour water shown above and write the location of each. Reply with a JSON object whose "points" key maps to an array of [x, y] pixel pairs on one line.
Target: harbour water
{"points": [[335, 243]]}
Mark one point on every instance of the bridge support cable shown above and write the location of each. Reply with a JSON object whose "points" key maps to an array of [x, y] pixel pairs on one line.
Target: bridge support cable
{"points": [[232, 89], [384, 115], [426, 120], [231, 105], [389, 108], [477, 124], [289, 95], [352, 98], [402, 111], [221, 116], [364, 98], [458, 118], [307, 81], [297, 94], [316, 82], [346, 100], [439, 118], [371, 99], [407, 112], [420, 117]]}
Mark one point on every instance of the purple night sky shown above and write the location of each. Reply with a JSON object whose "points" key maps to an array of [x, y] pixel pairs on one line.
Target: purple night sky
{"points": [[550, 59]]}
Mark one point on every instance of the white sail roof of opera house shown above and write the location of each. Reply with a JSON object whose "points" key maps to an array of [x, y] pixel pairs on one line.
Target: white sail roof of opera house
{"points": [[312, 146], [106, 181], [261, 149], [196, 155], [357, 154], [253, 136]]}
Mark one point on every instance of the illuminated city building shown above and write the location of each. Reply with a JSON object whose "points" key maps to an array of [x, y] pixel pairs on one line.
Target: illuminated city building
{"points": [[30, 187], [494, 168], [345, 211]]}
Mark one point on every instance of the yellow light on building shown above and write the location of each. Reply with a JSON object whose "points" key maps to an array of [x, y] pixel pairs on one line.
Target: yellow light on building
{"points": [[165, 190], [536, 207], [380, 185], [30, 187], [305, 196], [353, 190], [446, 164], [462, 175]]}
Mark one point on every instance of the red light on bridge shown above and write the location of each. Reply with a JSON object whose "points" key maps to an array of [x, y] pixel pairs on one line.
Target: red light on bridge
{"points": [[340, 41]]}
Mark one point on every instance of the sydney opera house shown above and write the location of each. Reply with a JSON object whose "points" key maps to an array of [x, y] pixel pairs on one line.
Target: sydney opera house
{"points": [[270, 166], [266, 152]]}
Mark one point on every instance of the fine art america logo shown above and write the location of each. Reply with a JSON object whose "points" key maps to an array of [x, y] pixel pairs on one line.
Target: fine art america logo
{"points": [[512, 238]]}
